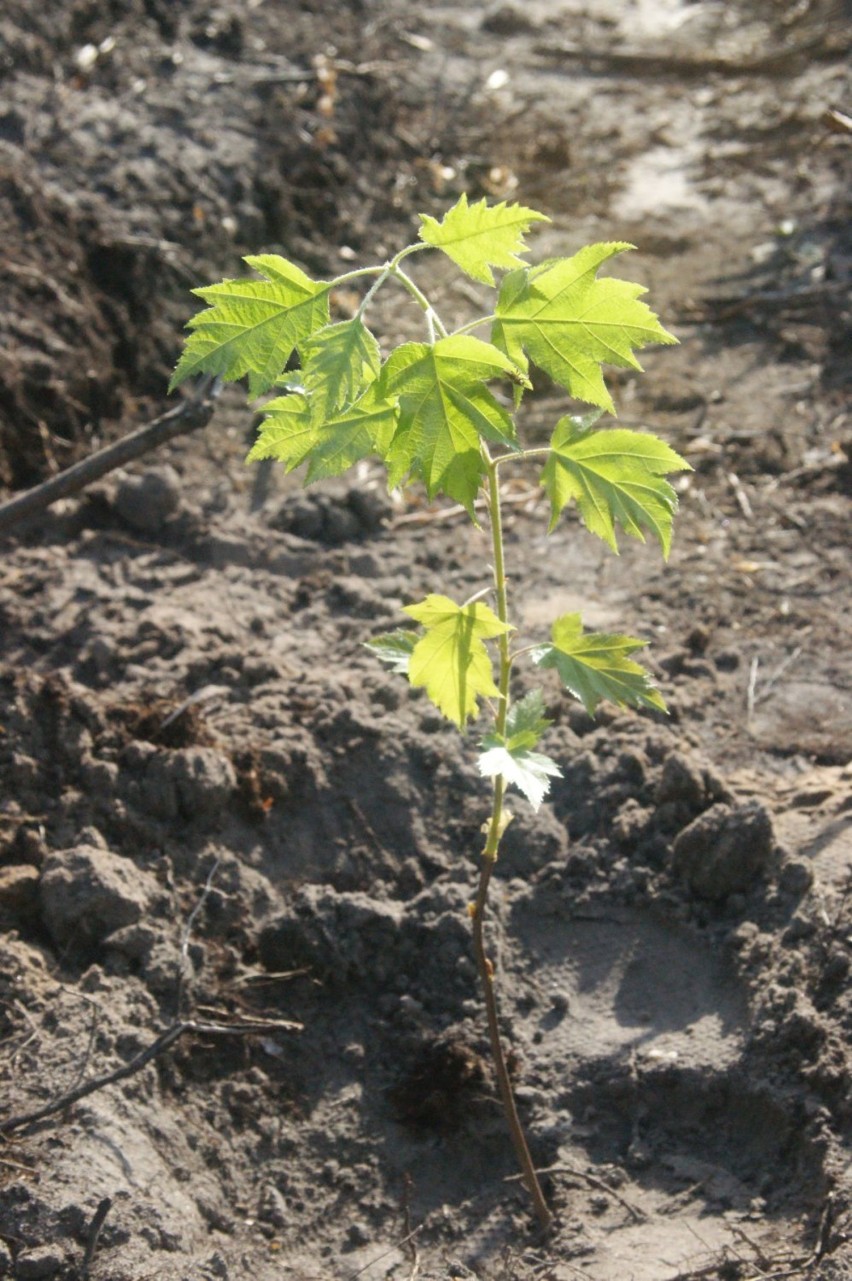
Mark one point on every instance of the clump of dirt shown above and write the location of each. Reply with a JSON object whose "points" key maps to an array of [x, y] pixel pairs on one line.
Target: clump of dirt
{"points": [[236, 855]]}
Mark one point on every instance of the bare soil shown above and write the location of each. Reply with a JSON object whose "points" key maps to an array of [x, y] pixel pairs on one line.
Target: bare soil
{"points": [[214, 808]]}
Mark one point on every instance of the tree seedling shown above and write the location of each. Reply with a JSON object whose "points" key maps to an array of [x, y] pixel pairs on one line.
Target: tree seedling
{"points": [[444, 412]]}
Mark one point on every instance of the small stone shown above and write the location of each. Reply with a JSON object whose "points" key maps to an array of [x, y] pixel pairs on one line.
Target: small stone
{"points": [[796, 877], [359, 1233], [43, 1261], [146, 502], [681, 781]]}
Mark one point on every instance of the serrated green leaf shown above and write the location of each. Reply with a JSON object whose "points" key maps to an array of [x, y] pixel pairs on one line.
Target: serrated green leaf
{"points": [[526, 721], [617, 479], [512, 754], [530, 772], [253, 326], [480, 236], [394, 648], [287, 433], [451, 661], [595, 665], [339, 362], [352, 433], [446, 410], [296, 429], [570, 323]]}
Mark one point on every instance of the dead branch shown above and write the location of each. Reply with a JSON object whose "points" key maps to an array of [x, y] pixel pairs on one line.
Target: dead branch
{"points": [[157, 1047], [194, 413], [638, 1216], [95, 1226], [776, 62]]}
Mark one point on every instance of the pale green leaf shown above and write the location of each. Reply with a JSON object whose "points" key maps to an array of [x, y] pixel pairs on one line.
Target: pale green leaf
{"points": [[338, 363], [570, 323], [595, 666], [616, 478], [394, 648], [480, 236], [287, 433], [451, 661], [295, 430], [526, 721], [512, 754], [530, 772], [351, 433], [253, 326], [446, 410]]}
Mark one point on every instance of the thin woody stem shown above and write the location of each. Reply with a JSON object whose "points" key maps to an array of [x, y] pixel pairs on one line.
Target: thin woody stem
{"points": [[489, 858]]}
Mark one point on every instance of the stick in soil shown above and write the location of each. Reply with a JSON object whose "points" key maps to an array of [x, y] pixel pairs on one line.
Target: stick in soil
{"points": [[98, 1219], [157, 1047], [194, 413]]}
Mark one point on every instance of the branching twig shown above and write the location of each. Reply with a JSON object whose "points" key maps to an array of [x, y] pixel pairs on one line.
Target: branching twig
{"points": [[183, 959], [157, 1047], [638, 1216], [192, 414]]}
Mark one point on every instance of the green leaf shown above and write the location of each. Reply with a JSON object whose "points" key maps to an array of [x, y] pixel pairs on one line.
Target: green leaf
{"points": [[451, 661], [445, 412], [352, 433], [616, 478], [595, 665], [287, 433], [570, 323], [530, 772], [296, 429], [526, 721], [339, 362], [480, 236], [394, 648], [512, 755], [253, 326]]}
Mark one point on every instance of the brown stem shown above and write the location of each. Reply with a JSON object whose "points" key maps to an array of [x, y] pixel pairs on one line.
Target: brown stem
{"points": [[504, 1084], [489, 858]]}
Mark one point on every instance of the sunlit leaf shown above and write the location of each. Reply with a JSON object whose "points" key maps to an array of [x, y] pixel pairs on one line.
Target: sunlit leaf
{"points": [[570, 323], [512, 754], [480, 236], [253, 326], [596, 665], [339, 362], [451, 661], [394, 648], [446, 411], [296, 430], [616, 477]]}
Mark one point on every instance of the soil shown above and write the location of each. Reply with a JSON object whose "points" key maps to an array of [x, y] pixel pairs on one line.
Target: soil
{"points": [[214, 807]]}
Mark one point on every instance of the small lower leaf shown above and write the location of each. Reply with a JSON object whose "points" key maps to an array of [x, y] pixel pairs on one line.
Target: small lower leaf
{"points": [[530, 772], [394, 648]]}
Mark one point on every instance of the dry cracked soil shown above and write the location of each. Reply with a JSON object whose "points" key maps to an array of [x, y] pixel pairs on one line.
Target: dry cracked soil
{"points": [[215, 809]]}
